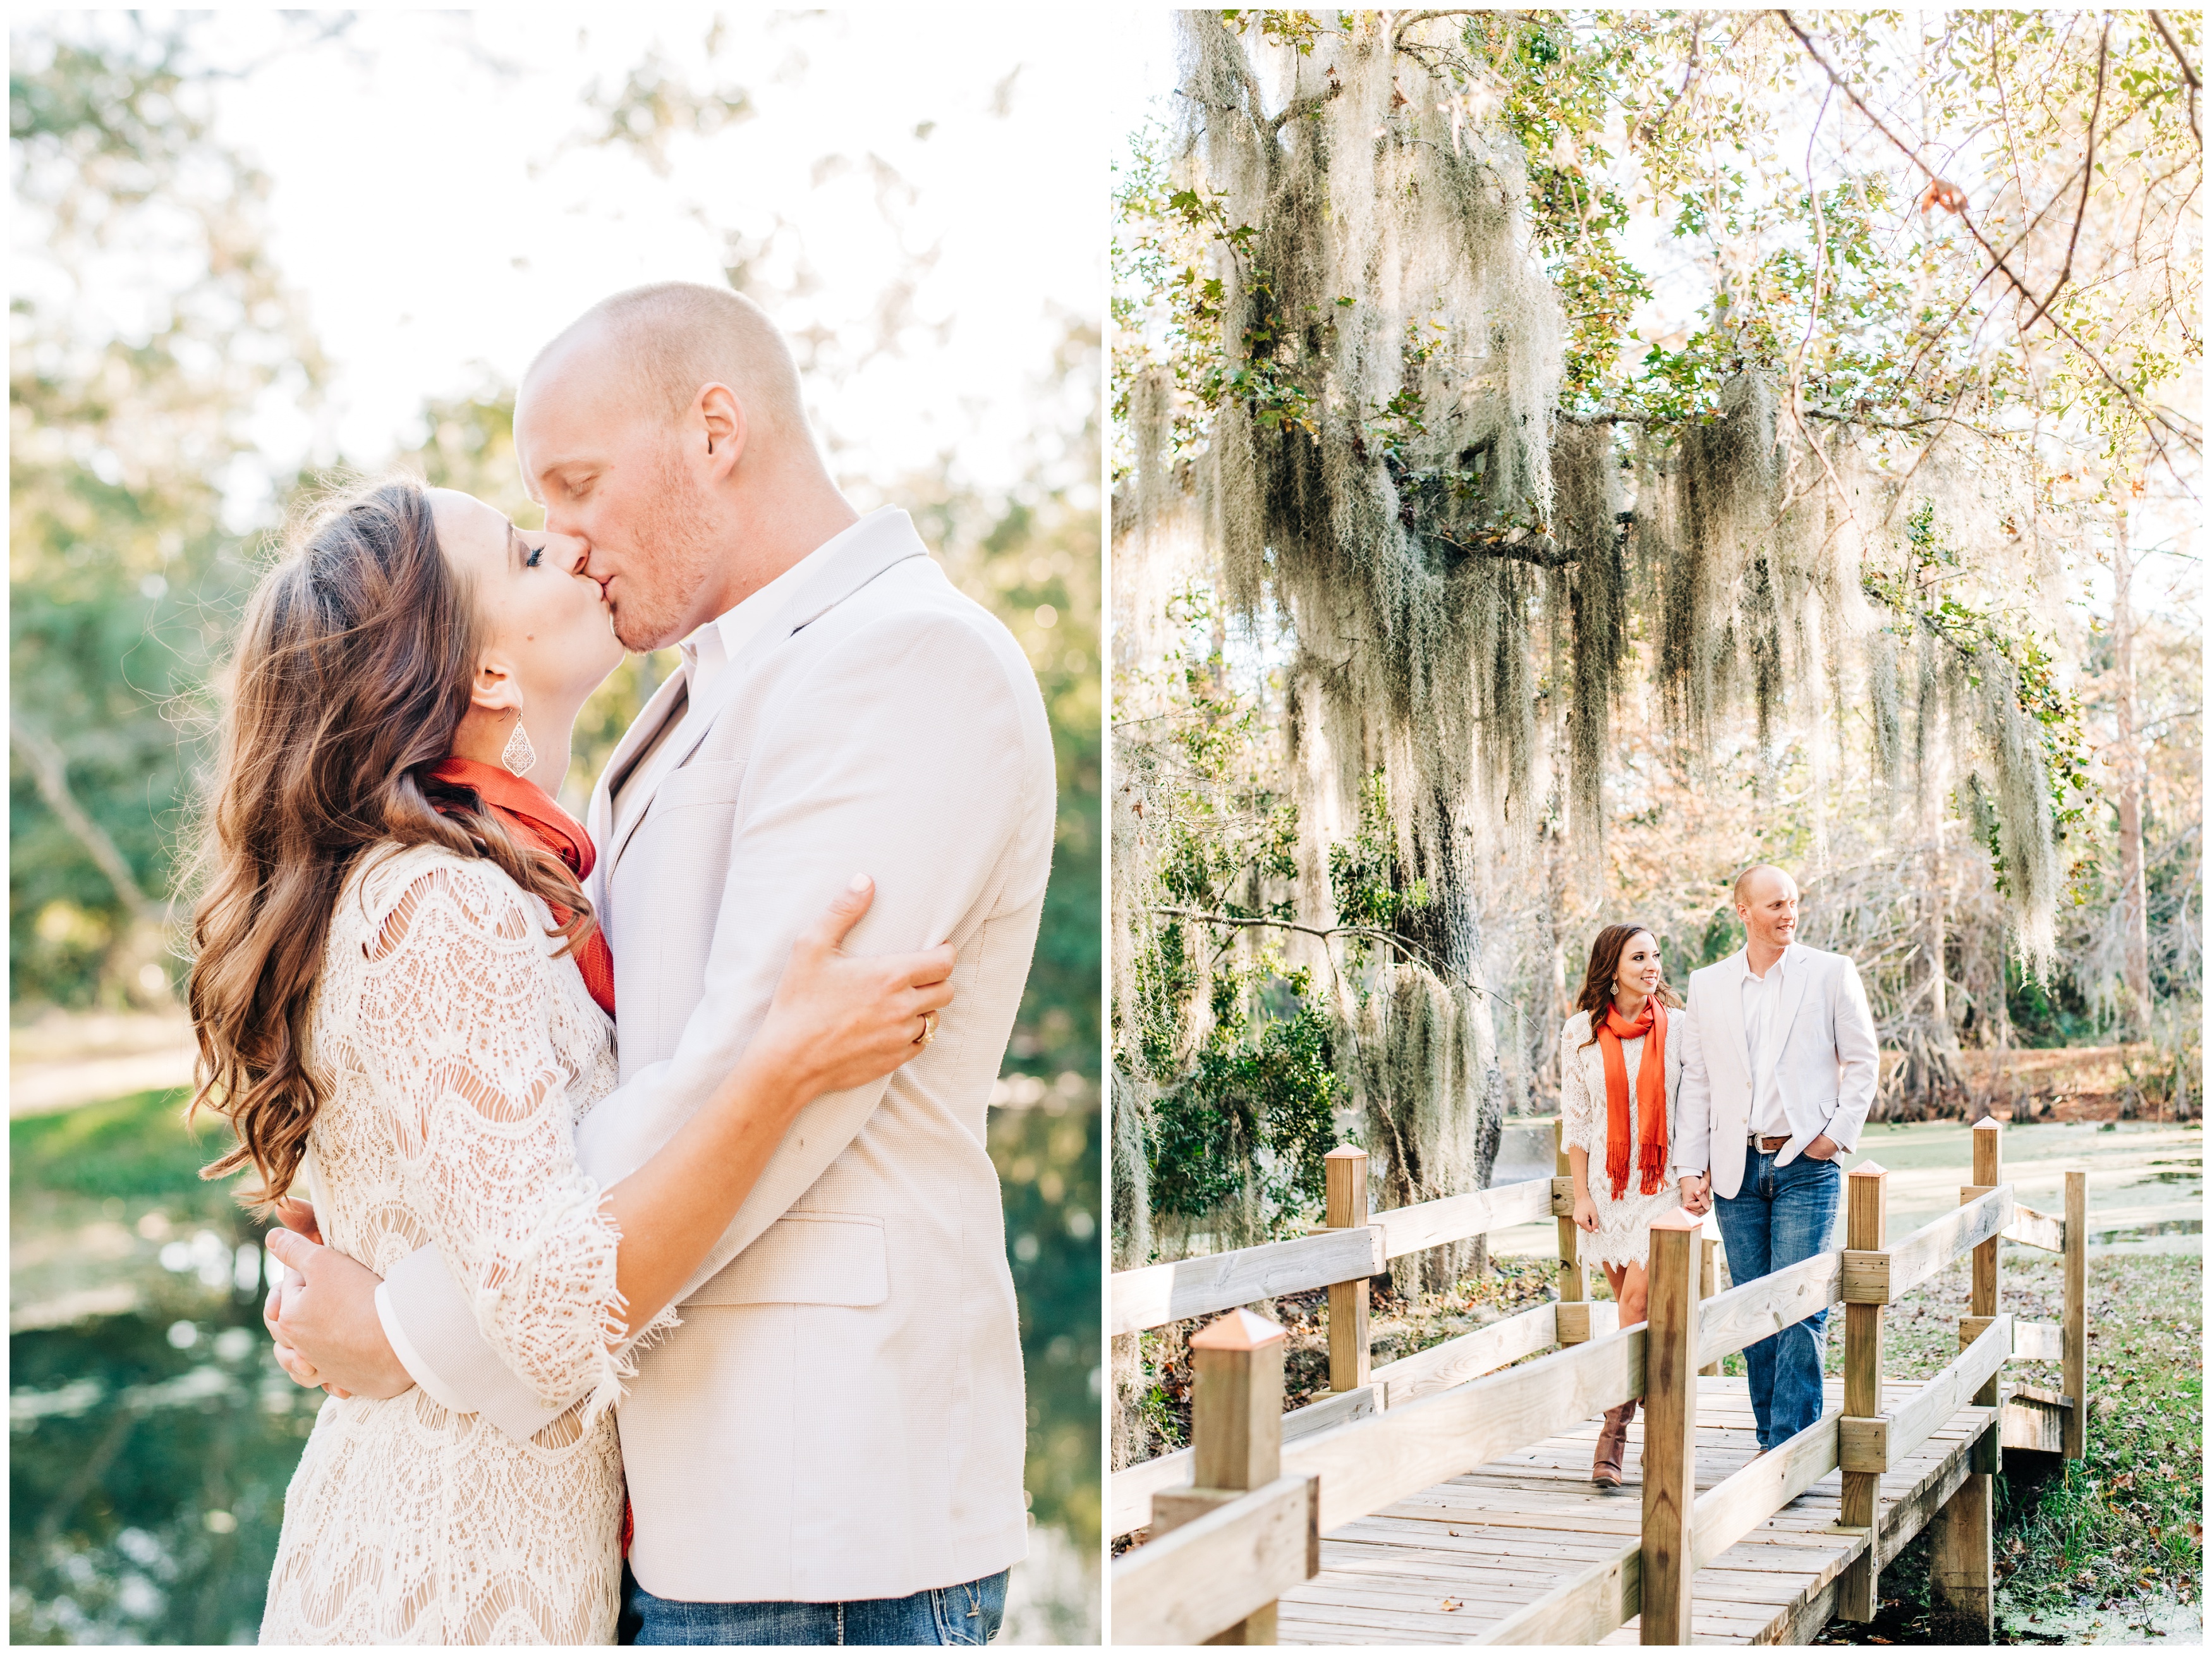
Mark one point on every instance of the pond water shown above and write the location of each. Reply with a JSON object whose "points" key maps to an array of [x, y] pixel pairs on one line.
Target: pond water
{"points": [[151, 1433], [148, 1456]]}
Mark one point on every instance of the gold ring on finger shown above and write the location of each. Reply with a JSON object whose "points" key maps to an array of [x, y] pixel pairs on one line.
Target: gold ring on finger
{"points": [[928, 1029]]}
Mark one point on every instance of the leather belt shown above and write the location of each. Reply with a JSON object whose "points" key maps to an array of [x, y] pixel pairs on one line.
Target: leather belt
{"points": [[1768, 1146]]}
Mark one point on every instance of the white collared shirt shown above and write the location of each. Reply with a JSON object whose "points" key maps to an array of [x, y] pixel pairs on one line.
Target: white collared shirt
{"points": [[1762, 1007], [709, 652]]}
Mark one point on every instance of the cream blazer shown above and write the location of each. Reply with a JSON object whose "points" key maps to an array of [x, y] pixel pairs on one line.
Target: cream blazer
{"points": [[1826, 1061], [841, 1415]]}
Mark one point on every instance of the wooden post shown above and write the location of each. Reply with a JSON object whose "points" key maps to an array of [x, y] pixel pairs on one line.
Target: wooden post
{"points": [[1345, 1171], [2074, 1332], [1961, 1573], [1236, 1434], [1709, 1282], [1865, 1197], [1670, 1427], [1574, 1274], [1989, 1172]]}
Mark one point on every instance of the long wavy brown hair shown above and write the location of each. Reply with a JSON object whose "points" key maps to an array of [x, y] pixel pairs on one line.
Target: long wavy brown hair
{"points": [[1604, 961], [352, 673]]}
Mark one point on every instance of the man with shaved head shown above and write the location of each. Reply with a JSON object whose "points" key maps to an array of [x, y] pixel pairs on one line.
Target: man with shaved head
{"points": [[1778, 1069], [829, 1448]]}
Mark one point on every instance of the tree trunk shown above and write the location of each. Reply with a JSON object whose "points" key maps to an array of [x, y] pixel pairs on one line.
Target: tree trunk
{"points": [[2135, 967], [145, 940], [1928, 1079]]}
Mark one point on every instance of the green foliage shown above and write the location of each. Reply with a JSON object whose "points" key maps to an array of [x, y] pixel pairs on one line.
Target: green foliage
{"points": [[1260, 1101], [1033, 560], [1260, 372], [1561, 85], [1366, 881], [125, 567], [1915, 594], [1297, 30], [1047, 1158]]}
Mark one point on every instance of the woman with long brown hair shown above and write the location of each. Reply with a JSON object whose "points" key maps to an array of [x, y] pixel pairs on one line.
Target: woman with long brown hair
{"points": [[403, 1008], [1620, 1067]]}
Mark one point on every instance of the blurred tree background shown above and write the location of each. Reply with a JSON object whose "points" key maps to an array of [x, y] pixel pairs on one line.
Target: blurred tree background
{"points": [[152, 335]]}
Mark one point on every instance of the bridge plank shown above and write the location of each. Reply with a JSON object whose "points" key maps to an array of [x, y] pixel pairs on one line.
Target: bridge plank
{"points": [[2035, 1419], [2028, 1227], [1582, 1609], [1469, 1356], [1217, 1569], [1884, 1442], [1883, 1277], [1130, 1490], [2032, 1341], [1502, 1539], [1406, 1450], [1725, 1514], [1455, 1217], [1157, 1295], [1744, 1315]]}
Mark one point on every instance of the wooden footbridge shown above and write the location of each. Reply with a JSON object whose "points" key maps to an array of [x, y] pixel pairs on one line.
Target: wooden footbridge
{"points": [[1445, 1498]]}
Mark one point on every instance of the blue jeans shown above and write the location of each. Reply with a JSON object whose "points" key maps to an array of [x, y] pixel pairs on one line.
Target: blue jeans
{"points": [[947, 1615], [1780, 1217]]}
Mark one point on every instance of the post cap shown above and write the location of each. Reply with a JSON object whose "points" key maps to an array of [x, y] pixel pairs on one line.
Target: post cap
{"points": [[1680, 1219], [1989, 1124], [1238, 1331], [1869, 1170], [1346, 1152]]}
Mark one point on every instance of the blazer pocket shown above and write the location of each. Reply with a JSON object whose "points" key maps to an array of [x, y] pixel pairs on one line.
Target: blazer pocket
{"points": [[709, 782], [806, 1258]]}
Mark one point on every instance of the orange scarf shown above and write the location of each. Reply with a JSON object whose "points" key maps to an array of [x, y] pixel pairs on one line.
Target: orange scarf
{"points": [[528, 812], [1650, 1097]]}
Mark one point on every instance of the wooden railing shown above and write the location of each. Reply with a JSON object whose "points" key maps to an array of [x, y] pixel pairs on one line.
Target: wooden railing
{"points": [[1356, 1245], [1227, 1534]]}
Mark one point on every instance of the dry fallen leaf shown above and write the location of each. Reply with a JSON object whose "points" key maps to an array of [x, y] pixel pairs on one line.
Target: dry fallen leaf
{"points": [[1450, 1604]]}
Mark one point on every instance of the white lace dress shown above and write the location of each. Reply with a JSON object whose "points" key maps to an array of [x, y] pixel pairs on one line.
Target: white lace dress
{"points": [[457, 1055], [1623, 1235]]}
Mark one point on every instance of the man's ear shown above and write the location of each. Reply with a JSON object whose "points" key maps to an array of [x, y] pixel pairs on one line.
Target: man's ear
{"points": [[723, 418], [494, 688]]}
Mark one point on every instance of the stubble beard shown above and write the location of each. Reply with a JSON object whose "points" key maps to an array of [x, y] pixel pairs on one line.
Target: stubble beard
{"points": [[675, 548]]}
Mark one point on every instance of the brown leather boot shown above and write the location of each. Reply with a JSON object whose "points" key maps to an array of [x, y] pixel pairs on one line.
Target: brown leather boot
{"points": [[1612, 1445]]}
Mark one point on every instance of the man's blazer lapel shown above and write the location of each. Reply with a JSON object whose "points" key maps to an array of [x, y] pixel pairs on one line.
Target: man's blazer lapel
{"points": [[1728, 992], [892, 540], [599, 815], [1797, 972]]}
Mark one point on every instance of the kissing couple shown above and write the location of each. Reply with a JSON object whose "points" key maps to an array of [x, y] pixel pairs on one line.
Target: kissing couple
{"points": [[710, 1075]]}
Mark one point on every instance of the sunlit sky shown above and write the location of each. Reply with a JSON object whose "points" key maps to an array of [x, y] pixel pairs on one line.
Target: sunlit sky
{"points": [[433, 203]]}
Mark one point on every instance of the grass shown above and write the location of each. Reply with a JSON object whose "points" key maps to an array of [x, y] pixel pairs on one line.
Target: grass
{"points": [[135, 1148], [2116, 1537]]}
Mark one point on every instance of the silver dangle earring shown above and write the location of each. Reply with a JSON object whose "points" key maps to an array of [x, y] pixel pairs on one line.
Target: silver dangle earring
{"points": [[520, 757]]}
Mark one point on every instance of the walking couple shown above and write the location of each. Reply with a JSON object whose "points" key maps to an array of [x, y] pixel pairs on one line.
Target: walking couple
{"points": [[1740, 1104], [412, 964]]}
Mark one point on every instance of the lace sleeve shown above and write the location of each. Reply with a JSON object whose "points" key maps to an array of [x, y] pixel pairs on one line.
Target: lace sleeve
{"points": [[457, 1008], [1580, 1126]]}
